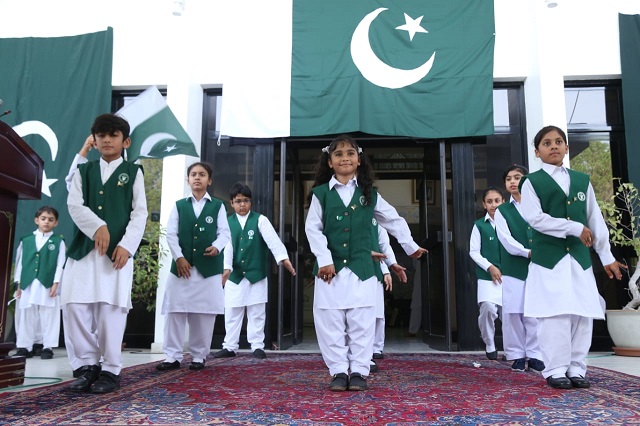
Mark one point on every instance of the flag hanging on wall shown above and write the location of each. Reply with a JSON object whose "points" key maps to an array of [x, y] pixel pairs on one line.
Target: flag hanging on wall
{"points": [[414, 68], [630, 66], [155, 131], [55, 87]]}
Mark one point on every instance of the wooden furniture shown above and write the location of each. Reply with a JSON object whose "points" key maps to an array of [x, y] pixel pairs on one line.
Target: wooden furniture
{"points": [[20, 178]]}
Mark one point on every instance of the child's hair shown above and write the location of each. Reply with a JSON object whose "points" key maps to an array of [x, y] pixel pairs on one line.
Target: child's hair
{"points": [[202, 164], [108, 123], [47, 209], [239, 188], [538, 138], [518, 167], [489, 189], [365, 173]]}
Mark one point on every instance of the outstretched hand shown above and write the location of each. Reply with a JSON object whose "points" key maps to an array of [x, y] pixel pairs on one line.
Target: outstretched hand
{"points": [[418, 253], [613, 270]]}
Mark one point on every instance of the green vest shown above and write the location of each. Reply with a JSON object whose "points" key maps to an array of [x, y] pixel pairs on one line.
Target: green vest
{"points": [[348, 231], [249, 250], [489, 247], [546, 250], [196, 234], [515, 266], [40, 264], [111, 202]]}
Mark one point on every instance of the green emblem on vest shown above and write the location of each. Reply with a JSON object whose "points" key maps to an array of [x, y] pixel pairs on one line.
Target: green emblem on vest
{"points": [[51, 246], [581, 196], [123, 179], [339, 218], [374, 222], [251, 233], [362, 200], [208, 219]]}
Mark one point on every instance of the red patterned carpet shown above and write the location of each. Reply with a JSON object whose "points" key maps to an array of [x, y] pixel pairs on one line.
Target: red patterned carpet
{"points": [[292, 389]]}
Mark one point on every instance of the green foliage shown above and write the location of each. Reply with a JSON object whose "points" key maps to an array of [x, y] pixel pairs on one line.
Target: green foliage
{"points": [[152, 185], [147, 266], [596, 162], [622, 213]]}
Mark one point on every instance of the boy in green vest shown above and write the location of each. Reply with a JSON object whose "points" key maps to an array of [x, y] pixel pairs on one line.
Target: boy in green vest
{"points": [[108, 206], [246, 268], [39, 261]]}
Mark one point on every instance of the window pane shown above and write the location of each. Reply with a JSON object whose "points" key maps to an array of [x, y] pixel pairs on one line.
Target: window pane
{"points": [[586, 105]]}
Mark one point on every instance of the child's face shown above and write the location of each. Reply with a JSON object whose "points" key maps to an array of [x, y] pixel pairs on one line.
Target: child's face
{"points": [[512, 181], [241, 204], [110, 145], [46, 222], [344, 160], [199, 179], [552, 148], [491, 202]]}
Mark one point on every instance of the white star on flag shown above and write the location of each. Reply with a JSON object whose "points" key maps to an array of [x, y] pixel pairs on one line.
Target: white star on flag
{"points": [[170, 148], [46, 184], [412, 26]]}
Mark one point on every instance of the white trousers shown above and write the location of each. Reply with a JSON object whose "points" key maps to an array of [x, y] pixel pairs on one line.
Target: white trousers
{"points": [[345, 338], [38, 324], [520, 336], [74, 361], [564, 344], [200, 335], [489, 312], [96, 331], [378, 340], [256, 317]]}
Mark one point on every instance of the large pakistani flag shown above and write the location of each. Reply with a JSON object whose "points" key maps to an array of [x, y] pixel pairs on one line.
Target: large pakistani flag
{"points": [[155, 131], [409, 68], [55, 87]]}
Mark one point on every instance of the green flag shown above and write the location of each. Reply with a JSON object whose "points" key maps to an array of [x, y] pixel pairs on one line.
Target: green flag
{"points": [[411, 68], [155, 131], [630, 65], [55, 87]]}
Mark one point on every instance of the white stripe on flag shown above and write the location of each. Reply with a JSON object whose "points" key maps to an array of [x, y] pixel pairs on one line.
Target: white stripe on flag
{"points": [[145, 105]]}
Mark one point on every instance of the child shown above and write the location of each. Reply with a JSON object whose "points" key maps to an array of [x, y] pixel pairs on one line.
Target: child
{"points": [[39, 261], [343, 206], [245, 274], [197, 233], [561, 290], [485, 252], [108, 206], [519, 333]]}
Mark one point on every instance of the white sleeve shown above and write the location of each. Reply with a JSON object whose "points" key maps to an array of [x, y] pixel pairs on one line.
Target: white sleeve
{"points": [[84, 218], [388, 217], [224, 232], [317, 240], [17, 272], [60, 262], [475, 244], [599, 229], [172, 234], [272, 239], [385, 247], [228, 256], [510, 244], [77, 160], [138, 218]]}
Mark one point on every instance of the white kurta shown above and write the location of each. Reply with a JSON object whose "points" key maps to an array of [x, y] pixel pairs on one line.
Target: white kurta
{"points": [[488, 291], [93, 279], [342, 293], [567, 288], [196, 294], [244, 293]]}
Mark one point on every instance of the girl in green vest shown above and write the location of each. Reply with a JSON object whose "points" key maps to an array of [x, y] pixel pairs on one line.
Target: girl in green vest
{"points": [[561, 290], [519, 333], [343, 208], [485, 252]]}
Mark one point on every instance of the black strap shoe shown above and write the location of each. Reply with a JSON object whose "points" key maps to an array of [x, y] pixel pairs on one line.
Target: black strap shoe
{"points": [[107, 382], [339, 382], [579, 382], [224, 353], [559, 382], [357, 382], [88, 375], [196, 366], [492, 355], [24, 352], [259, 353], [164, 365], [46, 353], [37, 349]]}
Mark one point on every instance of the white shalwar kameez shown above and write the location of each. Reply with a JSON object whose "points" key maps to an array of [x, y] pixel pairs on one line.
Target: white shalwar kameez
{"points": [[565, 299], [344, 310], [97, 297], [196, 300], [385, 248]]}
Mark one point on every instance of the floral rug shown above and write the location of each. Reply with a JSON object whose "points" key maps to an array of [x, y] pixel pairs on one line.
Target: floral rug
{"points": [[292, 389]]}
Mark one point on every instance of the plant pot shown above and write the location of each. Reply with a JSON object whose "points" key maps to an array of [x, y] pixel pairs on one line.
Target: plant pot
{"points": [[624, 329]]}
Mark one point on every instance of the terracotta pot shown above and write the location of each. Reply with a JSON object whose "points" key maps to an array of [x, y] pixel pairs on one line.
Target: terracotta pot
{"points": [[624, 329]]}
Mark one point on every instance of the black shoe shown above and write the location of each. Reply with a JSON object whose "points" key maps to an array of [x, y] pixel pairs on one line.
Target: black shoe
{"points": [[24, 352], [535, 364], [378, 355], [196, 366], [373, 368], [357, 382], [259, 353], [107, 382], [164, 365], [37, 349], [518, 365], [559, 382], [46, 353], [88, 376], [77, 373], [339, 382], [492, 355], [224, 353], [579, 382]]}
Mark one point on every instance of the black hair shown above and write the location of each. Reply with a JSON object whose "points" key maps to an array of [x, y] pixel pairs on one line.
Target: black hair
{"points": [[109, 123], [365, 173], [47, 209], [489, 189], [542, 132], [522, 169], [202, 164], [239, 188]]}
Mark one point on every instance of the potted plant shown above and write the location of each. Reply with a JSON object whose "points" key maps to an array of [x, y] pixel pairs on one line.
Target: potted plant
{"points": [[147, 267], [622, 215]]}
